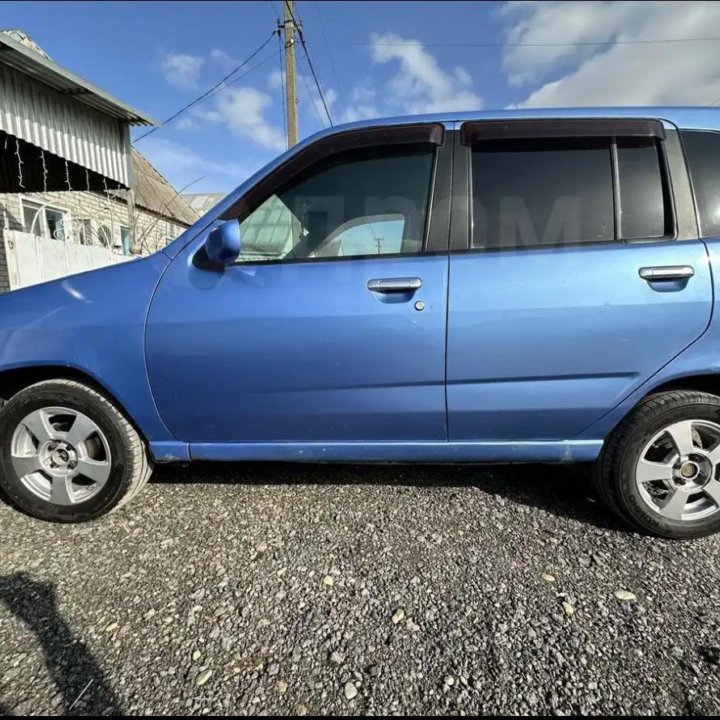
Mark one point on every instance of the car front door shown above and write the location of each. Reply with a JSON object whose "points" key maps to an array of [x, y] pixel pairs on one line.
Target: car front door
{"points": [[330, 328], [576, 274]]}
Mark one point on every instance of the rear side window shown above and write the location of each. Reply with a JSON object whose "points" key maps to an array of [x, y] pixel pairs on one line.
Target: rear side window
{"points": [[702, 150], [558, 191], [642, 198], [541, 192]]}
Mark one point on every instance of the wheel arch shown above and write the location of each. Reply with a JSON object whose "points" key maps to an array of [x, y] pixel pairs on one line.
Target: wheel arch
{"points": [[706, 382], [13, 380]]}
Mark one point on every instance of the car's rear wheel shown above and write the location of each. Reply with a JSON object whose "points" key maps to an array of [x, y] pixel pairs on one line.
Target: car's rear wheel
{"points": [[660, 469], [67, 454]]}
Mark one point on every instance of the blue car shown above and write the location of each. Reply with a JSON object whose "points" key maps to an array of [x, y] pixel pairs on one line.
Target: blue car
{"points": [[515, 286]]}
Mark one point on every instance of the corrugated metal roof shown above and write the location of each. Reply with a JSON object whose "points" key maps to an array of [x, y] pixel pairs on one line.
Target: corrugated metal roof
{"points": [[39, 66], [31, 111]]}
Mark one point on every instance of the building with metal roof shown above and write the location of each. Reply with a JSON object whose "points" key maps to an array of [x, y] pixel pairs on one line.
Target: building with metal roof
{"points": [[74, 194]]}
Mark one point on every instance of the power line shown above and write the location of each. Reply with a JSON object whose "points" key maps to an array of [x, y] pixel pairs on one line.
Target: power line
{"points": [[209, 92], [312, 98], [310, 63], [332, 62], [413, 43], [245, 74]]}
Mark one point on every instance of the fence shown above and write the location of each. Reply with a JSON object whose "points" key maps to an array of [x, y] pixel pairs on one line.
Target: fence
{"points": [[32, 259]]}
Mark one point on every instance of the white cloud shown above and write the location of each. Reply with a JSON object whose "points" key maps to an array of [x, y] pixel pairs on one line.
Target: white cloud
{"points": [[226, 61], [182, 71], [417, 85], [624, 72], [243, 109], [363, 102]]}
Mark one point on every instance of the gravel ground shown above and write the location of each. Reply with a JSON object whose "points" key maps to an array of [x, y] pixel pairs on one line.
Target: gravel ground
{"points": [[356, 590]]}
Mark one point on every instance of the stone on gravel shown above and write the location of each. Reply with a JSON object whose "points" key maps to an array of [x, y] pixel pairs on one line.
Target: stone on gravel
{"points": [[203, 677], [337, 658], [351, 691], [625, 596]]}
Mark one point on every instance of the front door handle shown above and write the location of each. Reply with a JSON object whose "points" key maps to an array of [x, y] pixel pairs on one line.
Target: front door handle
{"points": [[394, 285], [666, 272]]}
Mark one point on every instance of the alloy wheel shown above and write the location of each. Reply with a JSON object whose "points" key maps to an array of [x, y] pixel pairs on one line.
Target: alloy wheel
{"points": [[677, 473], [60, 455]]}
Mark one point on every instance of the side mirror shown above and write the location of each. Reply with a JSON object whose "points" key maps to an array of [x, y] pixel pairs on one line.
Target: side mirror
{"points": [[222, 246]]}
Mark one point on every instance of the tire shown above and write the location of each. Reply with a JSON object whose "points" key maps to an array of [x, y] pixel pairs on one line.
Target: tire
{"points": [[658, 469], [53, 432]]}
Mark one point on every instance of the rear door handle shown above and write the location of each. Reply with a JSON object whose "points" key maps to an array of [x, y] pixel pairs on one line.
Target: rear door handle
{"points": [[394, 285], [666, 272]]}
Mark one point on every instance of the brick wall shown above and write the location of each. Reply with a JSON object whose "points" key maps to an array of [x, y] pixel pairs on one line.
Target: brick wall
{"points": [[152, 232]]}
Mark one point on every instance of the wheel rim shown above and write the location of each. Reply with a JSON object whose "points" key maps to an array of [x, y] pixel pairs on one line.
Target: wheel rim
{"points": [[677, 471], [60, 455]]}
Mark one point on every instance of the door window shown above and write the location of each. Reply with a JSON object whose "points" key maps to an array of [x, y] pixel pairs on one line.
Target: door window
{"points": [[562, 191], [642, 196], [358, 204], [702, 150]]}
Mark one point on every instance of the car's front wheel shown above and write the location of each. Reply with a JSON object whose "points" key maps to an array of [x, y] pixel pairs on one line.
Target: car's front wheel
{"points": [[660, 468], [67, 454]]}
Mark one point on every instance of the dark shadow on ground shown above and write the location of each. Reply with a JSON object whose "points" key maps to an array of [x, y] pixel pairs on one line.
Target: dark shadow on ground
{"points": [[69, 661], [563, 490]]}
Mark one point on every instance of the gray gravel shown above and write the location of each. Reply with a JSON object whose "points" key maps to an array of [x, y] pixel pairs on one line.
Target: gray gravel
{"points": [[357, 590]]}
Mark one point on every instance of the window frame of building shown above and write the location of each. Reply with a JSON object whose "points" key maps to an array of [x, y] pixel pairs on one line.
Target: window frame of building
{"points": [[124, 239], [106, 227], [40, 219], [84, 228]]}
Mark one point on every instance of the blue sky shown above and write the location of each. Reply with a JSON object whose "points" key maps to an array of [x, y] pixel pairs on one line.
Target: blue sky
{"points": [[372, 58]]}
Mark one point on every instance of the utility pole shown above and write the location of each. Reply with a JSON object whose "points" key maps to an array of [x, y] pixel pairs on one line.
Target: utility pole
{"points": [[290, 94]]}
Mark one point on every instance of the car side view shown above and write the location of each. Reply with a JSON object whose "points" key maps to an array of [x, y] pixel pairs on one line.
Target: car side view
{"points": [[514, 286]]}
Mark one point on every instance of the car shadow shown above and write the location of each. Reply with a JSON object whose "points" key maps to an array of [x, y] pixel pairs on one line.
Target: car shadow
{"points": [[79, 679], [562, 490]]}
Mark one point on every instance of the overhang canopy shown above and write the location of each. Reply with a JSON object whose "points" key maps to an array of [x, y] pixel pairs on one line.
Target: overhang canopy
{"points": [[30, 62], [60, 113]]}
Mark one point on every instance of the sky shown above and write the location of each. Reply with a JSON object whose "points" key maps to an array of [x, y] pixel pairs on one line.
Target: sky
{"points": [[372, 59]]}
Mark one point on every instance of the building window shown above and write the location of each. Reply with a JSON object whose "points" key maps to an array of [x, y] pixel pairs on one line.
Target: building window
{"points": [[45, 221], [125, 239], [84, 231], [105, 236]]}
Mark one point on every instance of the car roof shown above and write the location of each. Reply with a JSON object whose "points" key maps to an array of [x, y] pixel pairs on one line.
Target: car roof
{"points": [[683, 117]]}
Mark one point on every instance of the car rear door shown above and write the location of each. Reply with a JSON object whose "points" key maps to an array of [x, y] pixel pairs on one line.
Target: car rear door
{"points": [[576, 273]]}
